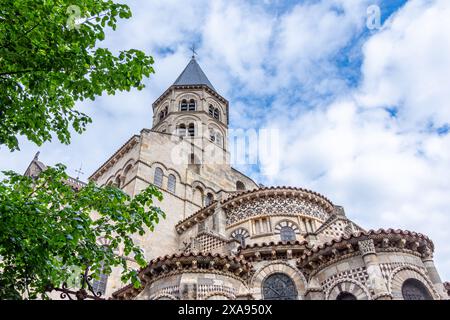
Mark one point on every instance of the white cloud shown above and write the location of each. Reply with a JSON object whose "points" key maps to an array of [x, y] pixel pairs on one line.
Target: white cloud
{"points": [[407, 64], [387, 172]]}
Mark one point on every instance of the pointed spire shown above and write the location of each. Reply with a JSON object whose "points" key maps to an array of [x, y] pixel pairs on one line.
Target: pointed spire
{"points": [[193, 75]]}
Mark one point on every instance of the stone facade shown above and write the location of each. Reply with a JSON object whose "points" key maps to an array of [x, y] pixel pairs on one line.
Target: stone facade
{"points": [[225, 237]]}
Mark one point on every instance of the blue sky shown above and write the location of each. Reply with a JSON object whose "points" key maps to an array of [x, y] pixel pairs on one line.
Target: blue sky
{"points": [[364, 114]]}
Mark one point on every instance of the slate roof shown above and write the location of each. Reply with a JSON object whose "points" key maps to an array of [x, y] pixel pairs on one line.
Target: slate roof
{"points": [[193, 75]]}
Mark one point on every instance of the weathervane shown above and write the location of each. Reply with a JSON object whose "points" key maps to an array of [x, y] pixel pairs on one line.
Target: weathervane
{"points": [[79, 171], [193, 51]]}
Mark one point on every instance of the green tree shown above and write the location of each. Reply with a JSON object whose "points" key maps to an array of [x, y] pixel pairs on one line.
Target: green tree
{"points": [[47, 229], [50, 57]]}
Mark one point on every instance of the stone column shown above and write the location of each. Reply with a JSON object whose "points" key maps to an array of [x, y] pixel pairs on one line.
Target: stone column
{"points": [[314, 291], [221, 218], [189, 291], [427, 259], [376, 282], [311, 238]]}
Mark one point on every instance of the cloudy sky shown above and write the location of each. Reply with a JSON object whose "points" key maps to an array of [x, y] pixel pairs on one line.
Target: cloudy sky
{"points": [[363, 113]]}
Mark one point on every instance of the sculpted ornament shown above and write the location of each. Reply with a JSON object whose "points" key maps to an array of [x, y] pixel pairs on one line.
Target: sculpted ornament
{"points": [[275, 205], [366, 247]]}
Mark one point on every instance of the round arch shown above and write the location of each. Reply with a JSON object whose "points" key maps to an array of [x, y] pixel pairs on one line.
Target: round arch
{"points": [[350, 286], [215, 104], [109, 181], [215, 127], [163, 106], [279, 286], [155, 164], [174, 172], [118, 173], [197, 183], [219, 296], [187, 96], [286, 223], [187, 119], [277, 267], [163, 296], [403, 273]]}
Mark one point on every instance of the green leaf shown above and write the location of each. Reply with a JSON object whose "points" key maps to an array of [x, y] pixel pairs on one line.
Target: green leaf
{"points": [[48, 233], [43, 74]]}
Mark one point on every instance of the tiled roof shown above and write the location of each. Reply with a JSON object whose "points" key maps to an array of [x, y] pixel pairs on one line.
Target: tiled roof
{"points": [[379, 232], [193, 75]]}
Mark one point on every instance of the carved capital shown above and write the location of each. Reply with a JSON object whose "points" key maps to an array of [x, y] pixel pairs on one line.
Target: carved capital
{"points": [[427, 253], [366, 247]]}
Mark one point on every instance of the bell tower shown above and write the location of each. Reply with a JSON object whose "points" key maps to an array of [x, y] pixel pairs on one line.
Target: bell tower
{"points": [[193, 110]]}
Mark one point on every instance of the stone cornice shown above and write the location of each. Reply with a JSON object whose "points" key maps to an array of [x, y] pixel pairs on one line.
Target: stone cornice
{"points": [[241, 197], [213, 235], [124, 149], [202, 86], [234, 267], [273, 250], [236, 170], [195, 218], [447, 287], [328, 222], [347, 246], [333, 218]]}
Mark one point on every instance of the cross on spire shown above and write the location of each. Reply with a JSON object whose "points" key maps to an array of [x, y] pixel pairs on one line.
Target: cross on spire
{"points": [[79, 171], [193, 51]]}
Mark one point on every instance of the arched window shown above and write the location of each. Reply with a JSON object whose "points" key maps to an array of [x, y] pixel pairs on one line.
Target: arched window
{"points": [[279, 286], [171, 183], [117, 182], [158, 180], [184, 105], [240, 235], [287, 234], [212, 135], [240, 186], [211, 110], [219, 139], [126, 171], [209, 199], [192, 105], [287, 230], [163, 113], [218, 297], [345, 296], [413, 289], [191, 130], [198, 196], [182, 130], [241, 239], [216, 114], [99, 285]]}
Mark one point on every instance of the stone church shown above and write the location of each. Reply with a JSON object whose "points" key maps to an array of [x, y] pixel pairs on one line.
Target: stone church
{"points": [[226, 237]]}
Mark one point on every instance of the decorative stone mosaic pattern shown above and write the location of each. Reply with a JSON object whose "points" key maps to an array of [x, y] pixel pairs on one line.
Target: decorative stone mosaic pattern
{"points": [[358, 274], [275, 205], [205, 290], [172, 290], [337, 229], [366, 246], [241, 232], [387, 268], [205, 242]]}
